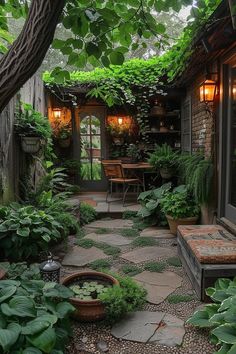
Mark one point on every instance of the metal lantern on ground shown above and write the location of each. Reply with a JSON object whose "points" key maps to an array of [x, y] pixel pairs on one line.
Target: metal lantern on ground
{"points": [[208, 91], [50, 270]]}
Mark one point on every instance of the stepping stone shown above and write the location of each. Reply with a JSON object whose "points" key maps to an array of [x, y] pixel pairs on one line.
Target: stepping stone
{"points": [[158, 285], [110, 239], [157, 233], [150, 327], [80, 256], [147, 254], [101, 207], [111, 224]]}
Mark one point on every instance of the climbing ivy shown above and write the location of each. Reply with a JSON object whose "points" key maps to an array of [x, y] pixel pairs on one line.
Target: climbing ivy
{"points": [[137, 80]]}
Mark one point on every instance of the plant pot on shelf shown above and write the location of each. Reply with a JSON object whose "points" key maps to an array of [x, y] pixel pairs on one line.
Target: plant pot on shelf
{"points": [[88, 310], [64, 143], [174, 223], [166, 172], [31, 144]]}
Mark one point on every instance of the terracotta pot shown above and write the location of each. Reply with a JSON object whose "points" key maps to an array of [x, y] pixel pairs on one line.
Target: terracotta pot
{"points": [[64, 143], [174, 223], [31, 144], [88, 310], [166, 172]]}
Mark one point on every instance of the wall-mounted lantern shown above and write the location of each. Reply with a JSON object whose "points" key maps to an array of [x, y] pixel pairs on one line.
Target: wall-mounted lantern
{"points": [[57, 112], [120, 120], [208, 91]]}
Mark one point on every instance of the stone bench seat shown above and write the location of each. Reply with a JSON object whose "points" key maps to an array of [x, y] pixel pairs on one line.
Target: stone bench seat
{"points": [[207, 253]]}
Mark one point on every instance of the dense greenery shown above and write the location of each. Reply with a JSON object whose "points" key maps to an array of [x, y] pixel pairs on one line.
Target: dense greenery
{"points": [[179, 203], [220, 316], [34, 317], [87, 213], [163, 157], [122, 299]]}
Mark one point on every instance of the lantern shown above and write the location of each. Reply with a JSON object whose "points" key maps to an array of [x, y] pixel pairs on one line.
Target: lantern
{"points": [[56, 113], [208, 91], [50, 270], [120, 120]]}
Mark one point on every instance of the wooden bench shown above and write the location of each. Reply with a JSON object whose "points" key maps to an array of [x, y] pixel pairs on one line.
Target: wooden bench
{"points": [[207, 252]]}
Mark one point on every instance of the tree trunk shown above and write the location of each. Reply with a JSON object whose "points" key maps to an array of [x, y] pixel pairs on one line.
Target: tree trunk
{"points": [[28, 51]]}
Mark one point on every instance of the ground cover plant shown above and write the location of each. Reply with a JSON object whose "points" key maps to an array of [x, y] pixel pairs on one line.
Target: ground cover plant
{"points": [[129, 232], [129, 214], [109, 250], [155, 266], [177, 298], [34, 317], [174, 261], [100, 264], [144, 241], [102, 231], [219, 316], [130, 269], [87, 214]]}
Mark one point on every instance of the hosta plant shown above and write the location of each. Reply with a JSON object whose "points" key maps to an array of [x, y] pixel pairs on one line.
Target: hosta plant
{"points": [[150, 202], [25, 231], [33, 317], [220, 317]]}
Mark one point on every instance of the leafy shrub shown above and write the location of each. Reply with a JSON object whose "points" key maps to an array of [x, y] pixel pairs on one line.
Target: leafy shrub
{"points": [[144, 241], [150, 202], [21, 271], [176, 298], [54, 180], [155, 266], [174, 261], [130, 269], [162, 157], [179, 203], [87, 214], [34, 317], [220, 316], [25, 231], [119, 300]]}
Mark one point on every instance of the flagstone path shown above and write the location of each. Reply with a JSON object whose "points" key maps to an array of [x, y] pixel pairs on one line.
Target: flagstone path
{"points": [[160, 326]]}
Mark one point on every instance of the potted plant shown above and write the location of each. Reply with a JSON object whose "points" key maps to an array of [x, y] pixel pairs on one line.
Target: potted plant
{"points": [[33, 128], [134, 152], [180, 208], [163, 158], [64, 134]]}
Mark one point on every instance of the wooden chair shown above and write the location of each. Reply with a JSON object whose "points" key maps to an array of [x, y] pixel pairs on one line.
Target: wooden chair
{"points": [[115, 175]]}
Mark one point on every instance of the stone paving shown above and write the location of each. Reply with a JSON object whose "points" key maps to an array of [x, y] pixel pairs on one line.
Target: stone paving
{"points": [[160, 326]]}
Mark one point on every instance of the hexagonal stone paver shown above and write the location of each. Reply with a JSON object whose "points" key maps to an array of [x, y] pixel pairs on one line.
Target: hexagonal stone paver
{"points": [[158, 285], [79, 256], [147, 254], [157, 233], [146, 327], [110, 239], [111, 224]]}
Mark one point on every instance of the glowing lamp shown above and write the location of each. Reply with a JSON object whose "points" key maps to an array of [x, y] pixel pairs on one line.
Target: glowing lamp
{"points": [[120, 120], [208, 91], [56, 113]]}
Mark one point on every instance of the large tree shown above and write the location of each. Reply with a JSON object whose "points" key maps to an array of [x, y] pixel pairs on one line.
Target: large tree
{"points": [[102, 32]]}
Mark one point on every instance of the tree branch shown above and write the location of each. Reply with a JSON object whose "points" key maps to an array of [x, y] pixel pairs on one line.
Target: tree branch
{"points": [[28, 51]]}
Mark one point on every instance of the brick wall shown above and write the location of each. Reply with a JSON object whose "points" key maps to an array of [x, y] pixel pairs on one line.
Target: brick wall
{"points": [[202, 121]]}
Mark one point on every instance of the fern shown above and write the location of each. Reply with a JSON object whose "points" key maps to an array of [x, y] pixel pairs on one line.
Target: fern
{"points": [[197, 172]]}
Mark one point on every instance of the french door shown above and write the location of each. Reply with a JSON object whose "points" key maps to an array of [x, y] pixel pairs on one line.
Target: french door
{"points": [[230, 195], [92, 148]]}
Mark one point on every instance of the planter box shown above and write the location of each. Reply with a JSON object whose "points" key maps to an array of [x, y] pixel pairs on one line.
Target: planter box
{"points": [[31, 144]]}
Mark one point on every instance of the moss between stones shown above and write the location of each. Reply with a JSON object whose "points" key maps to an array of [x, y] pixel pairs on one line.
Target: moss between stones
{"points": [[155, 266], [176, 298], [174, 261], [144, 241]]}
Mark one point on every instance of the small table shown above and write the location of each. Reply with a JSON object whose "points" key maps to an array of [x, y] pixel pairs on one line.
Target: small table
{"points": [[138, 166]]}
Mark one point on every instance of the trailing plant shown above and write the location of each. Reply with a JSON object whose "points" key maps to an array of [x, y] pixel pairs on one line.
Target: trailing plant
{"points": [[34, 317], [179, 203], [163, 157], [122, 299], [87, 214], [25, 231], [219, 317], [150, 202], [197, 172], [134, 152]]}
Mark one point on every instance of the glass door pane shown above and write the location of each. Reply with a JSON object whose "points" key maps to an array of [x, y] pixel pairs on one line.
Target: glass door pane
{"points": [[232, 167]]}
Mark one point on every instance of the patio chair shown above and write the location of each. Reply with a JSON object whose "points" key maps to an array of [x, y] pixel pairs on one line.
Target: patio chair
{"points": [[115, 175]]}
